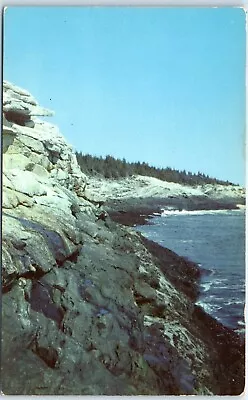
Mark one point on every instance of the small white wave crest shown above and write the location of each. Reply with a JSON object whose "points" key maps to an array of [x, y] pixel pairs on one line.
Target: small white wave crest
{"points": [[168, 212], [209, 308], [205, 286], [232, 302]]}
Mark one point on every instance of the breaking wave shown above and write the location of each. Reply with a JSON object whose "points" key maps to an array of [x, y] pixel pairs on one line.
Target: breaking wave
{"points": [[166, 213]]}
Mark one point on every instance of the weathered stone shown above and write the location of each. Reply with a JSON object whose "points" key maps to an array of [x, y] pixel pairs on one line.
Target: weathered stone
{"points": [[17, 101], [34, 145], [40, 171], [11, 199], [87, 309], [25, 182], [15, 161]]}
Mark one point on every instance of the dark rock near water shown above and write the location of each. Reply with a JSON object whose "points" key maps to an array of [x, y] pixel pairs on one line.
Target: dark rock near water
{"points": [[135, 211], [183, 274], [229, 349], [109, 322]]}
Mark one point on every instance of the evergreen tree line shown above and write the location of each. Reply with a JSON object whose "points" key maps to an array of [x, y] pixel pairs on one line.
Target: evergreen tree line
{"points": [[114, 168]]}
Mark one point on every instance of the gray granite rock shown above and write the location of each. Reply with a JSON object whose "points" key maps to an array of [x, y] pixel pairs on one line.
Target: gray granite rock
{"points": [[87, 309]]}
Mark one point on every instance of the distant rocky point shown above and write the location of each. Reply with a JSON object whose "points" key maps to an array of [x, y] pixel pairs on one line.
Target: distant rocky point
{"points": [[144, 187], [89, 307], [131, 200]]}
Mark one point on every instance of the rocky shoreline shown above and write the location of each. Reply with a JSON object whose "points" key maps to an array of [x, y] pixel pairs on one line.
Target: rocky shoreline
{"points": [[185, 276], [131, 212], [89, 307]]}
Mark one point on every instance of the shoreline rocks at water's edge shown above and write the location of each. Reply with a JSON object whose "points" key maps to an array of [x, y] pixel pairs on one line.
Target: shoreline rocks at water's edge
{"points": [[86, 308], [134, 199], [139, 192], [228, 344], [185, 276]]}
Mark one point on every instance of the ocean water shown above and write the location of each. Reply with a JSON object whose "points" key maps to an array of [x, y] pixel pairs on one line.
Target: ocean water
{"points": [[216, 241]]}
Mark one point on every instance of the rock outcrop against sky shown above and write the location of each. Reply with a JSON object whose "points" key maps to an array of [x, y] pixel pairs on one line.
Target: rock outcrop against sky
{"points": [[86, 308]]}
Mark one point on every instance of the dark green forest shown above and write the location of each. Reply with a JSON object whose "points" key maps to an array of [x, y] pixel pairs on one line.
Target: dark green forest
{"points": [[114, 168]]}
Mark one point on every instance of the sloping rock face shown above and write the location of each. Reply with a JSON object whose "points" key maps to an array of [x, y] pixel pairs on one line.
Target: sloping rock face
{"points": [[138, 186], [86, 308]]}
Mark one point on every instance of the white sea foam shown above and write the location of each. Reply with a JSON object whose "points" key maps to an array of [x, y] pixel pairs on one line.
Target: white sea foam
{"points": [[206, 307], [209, 308], [168, 212], [221, 284], [240, 331], [220, 281], [233, 301], [206, 286], [222, 287]]}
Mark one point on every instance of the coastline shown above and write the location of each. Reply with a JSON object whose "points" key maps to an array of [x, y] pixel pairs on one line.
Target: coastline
{"points": [[227, 345], [139, 211], [89, 306]]}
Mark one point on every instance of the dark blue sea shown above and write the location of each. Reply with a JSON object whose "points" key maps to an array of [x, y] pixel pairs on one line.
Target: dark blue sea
{"points": [[216, 241]]}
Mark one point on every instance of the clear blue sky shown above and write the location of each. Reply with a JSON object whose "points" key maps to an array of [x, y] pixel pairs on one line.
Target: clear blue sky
{"points": [[161, 85]]}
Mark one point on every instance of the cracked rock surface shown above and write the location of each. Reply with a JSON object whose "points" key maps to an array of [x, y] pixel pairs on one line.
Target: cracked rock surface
{"points": [[87, 309]]}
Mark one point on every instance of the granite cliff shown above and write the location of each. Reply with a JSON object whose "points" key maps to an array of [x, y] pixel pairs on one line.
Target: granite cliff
{"points": [[88, 306]]}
